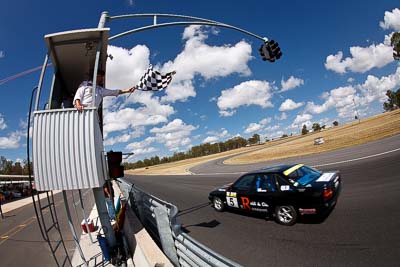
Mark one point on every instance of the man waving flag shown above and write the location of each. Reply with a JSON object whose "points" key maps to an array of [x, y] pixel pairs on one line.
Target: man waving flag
{"points": [[153, 80]]}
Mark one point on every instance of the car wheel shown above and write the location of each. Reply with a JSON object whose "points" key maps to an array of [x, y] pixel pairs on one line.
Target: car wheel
{"points": [[286, 215], [218, 204]]}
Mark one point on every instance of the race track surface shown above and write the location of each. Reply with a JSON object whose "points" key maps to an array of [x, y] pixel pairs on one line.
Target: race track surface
{"points": [[363, 229]]}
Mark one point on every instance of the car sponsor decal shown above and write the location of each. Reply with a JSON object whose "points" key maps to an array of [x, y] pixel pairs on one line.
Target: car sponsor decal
{"points": [[307, 211], [285, 187], [261, 190], [231, 199], [222, 189], [231, 194], [258, 204], [325, 177], [292, 169], [245, 203], [259, 210]]}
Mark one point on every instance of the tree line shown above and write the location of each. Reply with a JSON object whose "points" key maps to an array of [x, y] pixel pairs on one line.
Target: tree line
{"points": [[197, 151], [13, 168]]}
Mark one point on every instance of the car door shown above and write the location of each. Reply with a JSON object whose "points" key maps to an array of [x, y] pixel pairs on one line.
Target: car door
{"points": [[286, 193], [264, 191], [240, 193]]}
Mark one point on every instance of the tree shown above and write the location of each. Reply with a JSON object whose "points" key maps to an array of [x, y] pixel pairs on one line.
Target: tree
{"points": [[395, 42], [255, 139], [316, 127], [6, 166], [393, 101], [335, 123], [284, 136], [304, 130]]}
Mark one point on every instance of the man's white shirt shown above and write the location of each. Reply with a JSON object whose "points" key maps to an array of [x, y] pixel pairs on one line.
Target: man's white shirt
{"points": [[85, 94]]}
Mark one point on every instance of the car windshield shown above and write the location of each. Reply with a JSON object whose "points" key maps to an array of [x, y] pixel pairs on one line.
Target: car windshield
{"points": [[303, 175]]}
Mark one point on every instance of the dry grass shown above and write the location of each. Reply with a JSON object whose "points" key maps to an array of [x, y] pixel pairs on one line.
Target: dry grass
{"points": [[182, 167], [370, 129]]}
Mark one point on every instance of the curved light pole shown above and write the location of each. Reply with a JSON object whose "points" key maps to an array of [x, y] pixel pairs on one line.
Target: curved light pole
{"points": [[269, 50]]}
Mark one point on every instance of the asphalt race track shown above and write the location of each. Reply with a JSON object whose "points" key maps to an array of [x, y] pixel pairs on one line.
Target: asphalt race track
{"points": [[363, 229], [21, 243]]}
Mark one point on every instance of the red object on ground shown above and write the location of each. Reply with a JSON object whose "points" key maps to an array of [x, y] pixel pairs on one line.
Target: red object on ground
{"points": [[90, 225]]}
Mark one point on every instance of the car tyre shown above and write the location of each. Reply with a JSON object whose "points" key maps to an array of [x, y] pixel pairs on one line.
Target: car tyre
{"points": [[218, 204], [285, 215]]}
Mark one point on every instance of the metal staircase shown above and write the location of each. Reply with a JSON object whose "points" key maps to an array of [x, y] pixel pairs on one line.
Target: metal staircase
{"points": [[50, 228]]}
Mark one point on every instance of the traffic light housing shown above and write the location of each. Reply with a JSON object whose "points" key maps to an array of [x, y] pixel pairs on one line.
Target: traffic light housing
{"points": [[114, 160], [270, 51]]}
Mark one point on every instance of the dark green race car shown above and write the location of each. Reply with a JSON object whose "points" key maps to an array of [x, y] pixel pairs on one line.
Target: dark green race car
{"points": [[284, 191]]}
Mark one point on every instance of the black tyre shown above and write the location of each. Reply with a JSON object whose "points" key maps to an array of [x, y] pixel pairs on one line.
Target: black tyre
{"points": [[218, 204], [285, 215]]}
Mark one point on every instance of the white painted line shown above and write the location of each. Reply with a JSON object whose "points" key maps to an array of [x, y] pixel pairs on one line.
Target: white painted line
{"points": [[357, 159]]}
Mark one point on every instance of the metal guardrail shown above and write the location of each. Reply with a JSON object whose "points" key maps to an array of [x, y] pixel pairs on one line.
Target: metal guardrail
{"points": [[160, 219]]}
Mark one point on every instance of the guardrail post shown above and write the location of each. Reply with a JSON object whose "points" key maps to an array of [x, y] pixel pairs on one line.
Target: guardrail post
{"points": [[164, 231]]}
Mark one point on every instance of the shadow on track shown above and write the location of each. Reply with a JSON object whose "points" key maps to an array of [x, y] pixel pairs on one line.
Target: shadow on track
{"points": [[194, 208], [210, 224]]}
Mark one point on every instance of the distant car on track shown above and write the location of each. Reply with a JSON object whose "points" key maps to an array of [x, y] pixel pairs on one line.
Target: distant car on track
{"points": [[284, 191]]}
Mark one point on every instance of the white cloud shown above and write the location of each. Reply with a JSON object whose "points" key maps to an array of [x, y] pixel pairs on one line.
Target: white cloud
{"points": [[142, 144], [179, 91], [144, 151], [300, 120], [2, 54], [291, 83], [350, 80], [247, 93], [213, 137], [375, 88], [265, 121], [282, 117], [129, 118], [199, 58], [253, 127], [340, 98], [174, 135], [3, 124], [127, 66], [12, 141], [272, 128], [143, 147], [362, 59], [137, 132], [289, 104], [391, 20], [276, 135]]}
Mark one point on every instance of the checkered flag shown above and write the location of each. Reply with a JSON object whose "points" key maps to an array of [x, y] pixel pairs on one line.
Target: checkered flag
{"points": [[152, 80]]}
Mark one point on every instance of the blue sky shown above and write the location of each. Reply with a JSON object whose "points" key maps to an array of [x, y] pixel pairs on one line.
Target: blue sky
{"points": [[336, 56]]}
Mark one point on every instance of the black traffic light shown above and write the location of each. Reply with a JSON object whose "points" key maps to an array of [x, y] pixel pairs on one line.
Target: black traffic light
{"points": [[114, 160], [270, 51]]}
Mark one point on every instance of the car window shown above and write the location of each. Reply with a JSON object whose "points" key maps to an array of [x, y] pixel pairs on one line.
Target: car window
{"points": [[303, 175], [282, 183], [244, 183], [265, 183]]}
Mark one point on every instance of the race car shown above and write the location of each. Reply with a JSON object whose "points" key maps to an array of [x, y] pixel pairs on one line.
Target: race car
{"points": [[284, 192]]}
